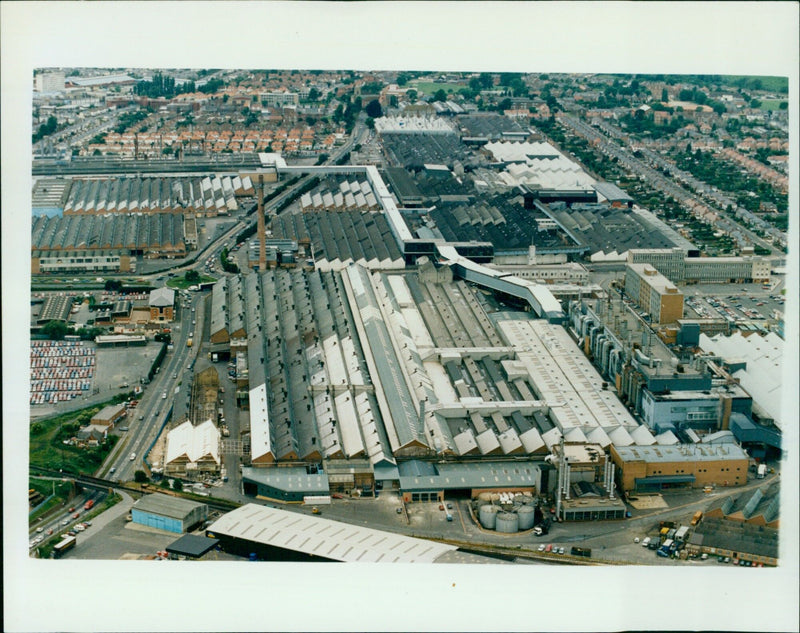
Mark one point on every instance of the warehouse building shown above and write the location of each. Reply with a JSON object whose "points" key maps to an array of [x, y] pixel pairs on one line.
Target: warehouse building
{"points": [[736, 540], [279, 535], [172, 514], [110, 415], [653, 468], [654, 293]]}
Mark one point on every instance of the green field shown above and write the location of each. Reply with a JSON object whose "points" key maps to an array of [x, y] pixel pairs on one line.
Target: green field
{"points": [[181, 283], [759, 82], [47, 449], [771, 104]]}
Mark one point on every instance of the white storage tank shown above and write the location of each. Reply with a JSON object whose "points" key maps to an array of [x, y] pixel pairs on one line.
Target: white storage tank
{"points": [[507, 522], [485, 496], [525, 514], [487, 515]]}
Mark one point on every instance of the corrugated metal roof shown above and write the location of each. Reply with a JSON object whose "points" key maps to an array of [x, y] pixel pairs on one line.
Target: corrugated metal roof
{"points": [[164, 505], [316, 536]]}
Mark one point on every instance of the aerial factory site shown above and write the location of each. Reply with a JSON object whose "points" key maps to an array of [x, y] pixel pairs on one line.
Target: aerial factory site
{"points": [[407, 317]]}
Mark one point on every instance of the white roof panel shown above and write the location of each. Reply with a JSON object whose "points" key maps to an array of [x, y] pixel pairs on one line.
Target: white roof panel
{"points": [[324, 538]]}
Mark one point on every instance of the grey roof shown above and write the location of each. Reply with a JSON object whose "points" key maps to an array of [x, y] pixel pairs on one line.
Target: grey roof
{"points": [[192, 545], [404, 417], [681, 453], [611, 192], [324, 538], [165, 505], [736, 536], [162, 297], [289, 479], [473, 475]]}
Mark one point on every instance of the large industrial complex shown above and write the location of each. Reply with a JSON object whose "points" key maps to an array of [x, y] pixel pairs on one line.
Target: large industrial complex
{"points": [[442, 328]]}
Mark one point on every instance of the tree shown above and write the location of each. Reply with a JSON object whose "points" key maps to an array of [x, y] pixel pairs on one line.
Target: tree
{"points": [[402, 79], [370, 123], [113, 285], [412, 95], [373, 109], [55, 330], [783, 105], [192, 276], [440, 95], [313, 94], [140, 477], [177, 485], [664, 95]]}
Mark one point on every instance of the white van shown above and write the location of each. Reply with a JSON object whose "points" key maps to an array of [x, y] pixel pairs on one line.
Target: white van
{"points": [[646, 541], [133, 456]]}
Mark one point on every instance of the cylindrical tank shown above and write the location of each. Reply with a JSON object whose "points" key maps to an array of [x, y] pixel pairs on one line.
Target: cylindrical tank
{"points": [[507, 522], [485, 496], [487, 516], [525, 514]]}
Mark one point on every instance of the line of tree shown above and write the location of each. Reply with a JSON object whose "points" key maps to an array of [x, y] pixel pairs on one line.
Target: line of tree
{"points": [[162, 86]]}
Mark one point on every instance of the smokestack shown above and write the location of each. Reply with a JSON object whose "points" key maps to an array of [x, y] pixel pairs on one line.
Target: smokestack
{"points": [[262, 229]]}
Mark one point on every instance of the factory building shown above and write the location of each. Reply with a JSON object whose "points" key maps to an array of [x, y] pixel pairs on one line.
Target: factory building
{"points": [[201, 196], [737, 541], [654, 293], [756, 362], [676, 266], [164, 512], [193, 451], [652, 468], [104, 242], [760, 507], [427, 481], [289, 484]]}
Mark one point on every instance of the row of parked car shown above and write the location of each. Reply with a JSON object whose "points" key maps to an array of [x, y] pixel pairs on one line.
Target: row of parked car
{"points": [[550, 548]]}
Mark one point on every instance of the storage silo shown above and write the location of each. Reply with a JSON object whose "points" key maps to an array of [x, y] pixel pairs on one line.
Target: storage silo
{"points": [[507, 522], [526, 517], [488, 515]]}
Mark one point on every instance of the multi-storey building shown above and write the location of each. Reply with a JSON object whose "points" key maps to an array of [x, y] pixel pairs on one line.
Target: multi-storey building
{"points": [[654, 293]]}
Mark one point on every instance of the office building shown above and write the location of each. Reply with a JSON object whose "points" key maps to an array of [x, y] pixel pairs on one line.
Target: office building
{"points": [[654, 293]]}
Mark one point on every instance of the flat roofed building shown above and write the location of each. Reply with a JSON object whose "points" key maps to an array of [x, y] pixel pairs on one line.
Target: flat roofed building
{"points": [[654, 293], [276, 534], [647, 468], [173, 514], [110, 415], [288, 484]]}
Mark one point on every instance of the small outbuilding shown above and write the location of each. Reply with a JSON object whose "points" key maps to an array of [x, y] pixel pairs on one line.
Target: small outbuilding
{"points": [[192, 546]]}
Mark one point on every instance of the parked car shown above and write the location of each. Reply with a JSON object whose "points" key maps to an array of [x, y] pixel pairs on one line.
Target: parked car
{"points": [[540, 548]]}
